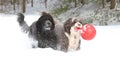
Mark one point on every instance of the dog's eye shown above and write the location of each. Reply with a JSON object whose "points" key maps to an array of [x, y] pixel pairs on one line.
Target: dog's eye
{"points": [[49, 23]]}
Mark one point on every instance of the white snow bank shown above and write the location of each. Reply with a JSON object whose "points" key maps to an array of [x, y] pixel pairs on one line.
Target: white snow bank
{"points": [[98, 59]]}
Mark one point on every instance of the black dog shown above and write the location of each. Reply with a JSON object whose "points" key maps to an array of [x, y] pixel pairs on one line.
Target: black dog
{"points": [[41, 30]]}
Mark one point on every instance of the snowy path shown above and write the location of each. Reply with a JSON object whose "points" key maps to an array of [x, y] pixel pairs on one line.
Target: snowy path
{"points": [[98, 59]]}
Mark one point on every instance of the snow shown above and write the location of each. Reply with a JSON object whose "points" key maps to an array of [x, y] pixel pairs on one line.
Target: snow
{"points": [[98, 59]]}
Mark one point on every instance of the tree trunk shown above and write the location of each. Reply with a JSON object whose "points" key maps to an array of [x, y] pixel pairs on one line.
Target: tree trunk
{"points": [[1, 5], [18, 4], [108, 0], [14, 1], [112, 4], [1, 2], [31, 3], [11, 2], [103, 3], [82, 2], [23, 6], [45, 3], [75, 3]]}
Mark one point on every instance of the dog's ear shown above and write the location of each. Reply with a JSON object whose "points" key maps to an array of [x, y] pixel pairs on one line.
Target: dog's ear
{"points": [[67, 25], [68, 21], [74, 20]]}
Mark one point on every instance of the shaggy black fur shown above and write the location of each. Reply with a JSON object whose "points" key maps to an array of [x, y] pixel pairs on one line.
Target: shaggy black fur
{"points": [[41, 30]]}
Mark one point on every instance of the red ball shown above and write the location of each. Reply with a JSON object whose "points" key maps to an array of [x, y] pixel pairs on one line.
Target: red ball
{"points": [[88, 32]]}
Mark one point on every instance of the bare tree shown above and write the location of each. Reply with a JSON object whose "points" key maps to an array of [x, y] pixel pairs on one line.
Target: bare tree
{"points": [[82, 1], [103, 3], [45, 1], [112, 4], [31, 3], [11, 2], [108, 0], [75, 3], [23, 6], [1, 2], [14, 1]]}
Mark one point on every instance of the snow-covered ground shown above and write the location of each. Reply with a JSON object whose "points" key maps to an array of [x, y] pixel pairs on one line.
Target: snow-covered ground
{"points": [[98, 59]]}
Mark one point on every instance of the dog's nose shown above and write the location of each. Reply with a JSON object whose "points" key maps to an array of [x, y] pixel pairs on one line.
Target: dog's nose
{"points": [[79, 24]]}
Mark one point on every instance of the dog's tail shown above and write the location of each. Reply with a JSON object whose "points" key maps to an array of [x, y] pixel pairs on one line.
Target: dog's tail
{"points": [[24, 26]]}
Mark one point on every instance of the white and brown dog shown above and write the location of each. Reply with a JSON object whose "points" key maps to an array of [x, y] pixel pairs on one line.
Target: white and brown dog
{"points": [[72, 31]]}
